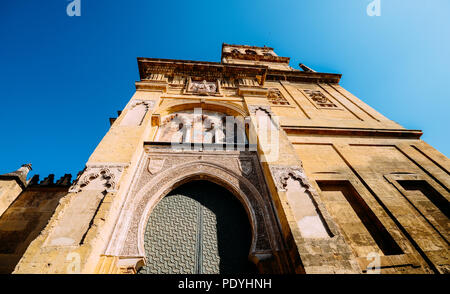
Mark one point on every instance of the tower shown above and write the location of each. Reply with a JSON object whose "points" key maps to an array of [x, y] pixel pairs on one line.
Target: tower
{"points": [[325, 183], [11, 184]]}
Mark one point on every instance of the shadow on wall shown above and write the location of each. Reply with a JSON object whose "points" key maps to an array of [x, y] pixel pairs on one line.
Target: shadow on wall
{"points": [[23, 221]]}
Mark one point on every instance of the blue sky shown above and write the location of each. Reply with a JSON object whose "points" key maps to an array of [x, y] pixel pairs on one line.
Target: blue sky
{"points": [[62, 77]]}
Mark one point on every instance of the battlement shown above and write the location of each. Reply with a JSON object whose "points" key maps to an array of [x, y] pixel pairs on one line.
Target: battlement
{"points": [[49, 181]]}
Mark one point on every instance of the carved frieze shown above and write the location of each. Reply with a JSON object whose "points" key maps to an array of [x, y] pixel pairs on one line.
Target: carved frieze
{"points": [[98, 178]]}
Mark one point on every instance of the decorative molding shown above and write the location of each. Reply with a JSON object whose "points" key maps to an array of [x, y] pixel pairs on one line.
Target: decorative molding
{"points": [[98, 177], [391, 133]]}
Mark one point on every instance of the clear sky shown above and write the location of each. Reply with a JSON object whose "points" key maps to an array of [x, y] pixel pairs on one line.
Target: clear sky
{"points": [[62, 77]]}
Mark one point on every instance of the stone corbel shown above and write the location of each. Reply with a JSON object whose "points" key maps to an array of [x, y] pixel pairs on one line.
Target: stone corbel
{"points": [[130, 265]]}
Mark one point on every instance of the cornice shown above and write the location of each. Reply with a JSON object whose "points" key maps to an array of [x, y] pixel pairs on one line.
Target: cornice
{"points": [[246, 46], [241, 56], [200, 68], [218, 70], [302, 76], [363, 132]]}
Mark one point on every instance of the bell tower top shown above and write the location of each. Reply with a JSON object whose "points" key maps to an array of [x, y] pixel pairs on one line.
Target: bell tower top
{"points": [[253, 55]]}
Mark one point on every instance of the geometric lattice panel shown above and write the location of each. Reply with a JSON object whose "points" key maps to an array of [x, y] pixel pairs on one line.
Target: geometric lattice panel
{"points": [[199, 228]]}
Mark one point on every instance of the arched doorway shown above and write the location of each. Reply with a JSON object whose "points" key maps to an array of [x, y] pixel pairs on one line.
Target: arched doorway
{"points": [[198, 228]]}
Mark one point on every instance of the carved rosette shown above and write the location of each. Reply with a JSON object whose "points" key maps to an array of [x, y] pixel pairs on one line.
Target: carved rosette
{"points": [[281, 174], [98, 178]]}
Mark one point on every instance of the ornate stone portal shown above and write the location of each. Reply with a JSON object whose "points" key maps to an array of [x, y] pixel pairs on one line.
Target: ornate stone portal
{"points": [[161, 170]]}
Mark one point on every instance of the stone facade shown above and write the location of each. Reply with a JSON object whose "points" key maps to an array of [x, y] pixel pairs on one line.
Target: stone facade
{"points": [[335, 187]]}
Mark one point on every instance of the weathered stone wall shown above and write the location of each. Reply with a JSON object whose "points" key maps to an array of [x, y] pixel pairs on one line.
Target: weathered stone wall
{"points": [[24, 220]]}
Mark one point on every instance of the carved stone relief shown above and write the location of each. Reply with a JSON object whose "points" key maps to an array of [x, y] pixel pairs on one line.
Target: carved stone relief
{"points": [[202, 87], [276, 98], [201, 127], [320, 99], [98, 178]]}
